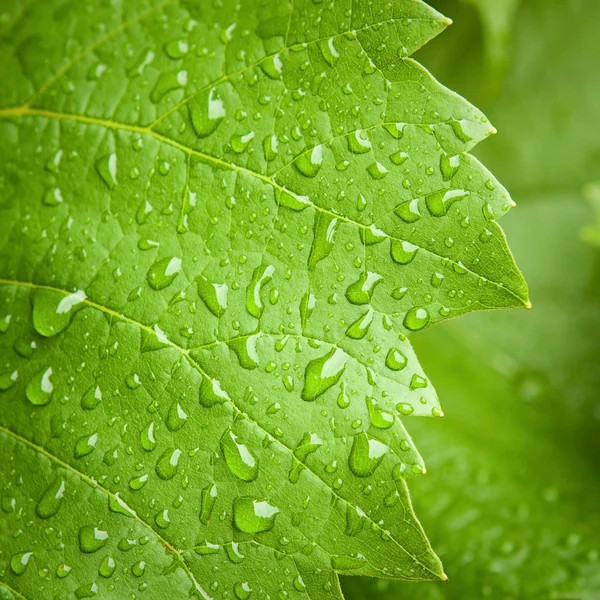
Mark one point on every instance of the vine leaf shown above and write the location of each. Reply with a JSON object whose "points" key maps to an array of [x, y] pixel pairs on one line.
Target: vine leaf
{"points": [[219, 226]]}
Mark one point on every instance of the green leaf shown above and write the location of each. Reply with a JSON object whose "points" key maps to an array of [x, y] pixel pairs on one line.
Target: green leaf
{"points": [[219, 226]]}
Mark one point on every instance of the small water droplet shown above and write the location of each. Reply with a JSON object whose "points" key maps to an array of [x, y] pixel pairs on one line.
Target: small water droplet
{"points": [[107, 169], [39, 390], [51, 500], [253, 516]]}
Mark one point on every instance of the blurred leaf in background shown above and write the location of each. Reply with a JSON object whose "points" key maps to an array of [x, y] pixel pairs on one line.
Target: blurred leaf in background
{"points": [[511, 499]]}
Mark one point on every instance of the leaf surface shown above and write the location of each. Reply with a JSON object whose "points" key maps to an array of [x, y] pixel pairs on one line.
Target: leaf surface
{"points": [[219, 226]]}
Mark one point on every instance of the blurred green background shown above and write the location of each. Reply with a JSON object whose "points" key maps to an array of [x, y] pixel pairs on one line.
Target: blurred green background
{"points": [[511, 501]]}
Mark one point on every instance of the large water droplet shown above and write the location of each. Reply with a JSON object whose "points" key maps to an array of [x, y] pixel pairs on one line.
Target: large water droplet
{"points": [[208, 497], [239, 458], [253, 516], [439, 202], [261, 276], [416, 318], [355, 520], [329, 51], [409, 211], [91, 398], [371, 235], [91, 539], [19, 562], [309, 443], [242, 590], [176, 417], [449, 166], [162, 273], [321, 373], [361, 291], [107, 567], [366, 455], [147, 438], [395, 360], [359, 328], [307, 306], [107, 169], [51, 500], [214, 295], [85, 445], [358, 142], [245, 350], [39, 390], [323, 239], [166, 83], [52, 311], [166, 466], [382, 419], [309, 163], [403, 252], [211, 393]]}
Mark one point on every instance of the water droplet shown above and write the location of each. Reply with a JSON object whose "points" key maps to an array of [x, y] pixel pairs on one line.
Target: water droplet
{"points": [[107, 169], [176, 48], [166, 466], [379, 418], [355, 520], [214, 295], [309, 163], [166, 83], [162, 518], [208, 497], [361, 291], [404, 408], [91, 398], [92, 539], [245, 350], [323, 240], [409, 211], [242, 590], [19, 562], [162, 273], [321, 373], [239, 143], [88, 590], [176, 417], [107, 567], [377, 171], [262, 275], [85, 445], [7, 380], [398, 158], [358, 142], [347, 563], [309, 443], [63, 571], [51, 500], [272, 66], [307, 306], [449, 166], [366, 455], [395, 360], [138, 568], [239, 458], [403, 252], [52, 196], [137, 483], [253, 516], [52, 311], [416, 318], [439, 202], [211, 393], [39, 390], [360, 327], [270, 147], [371, 235], [329, 51]]}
